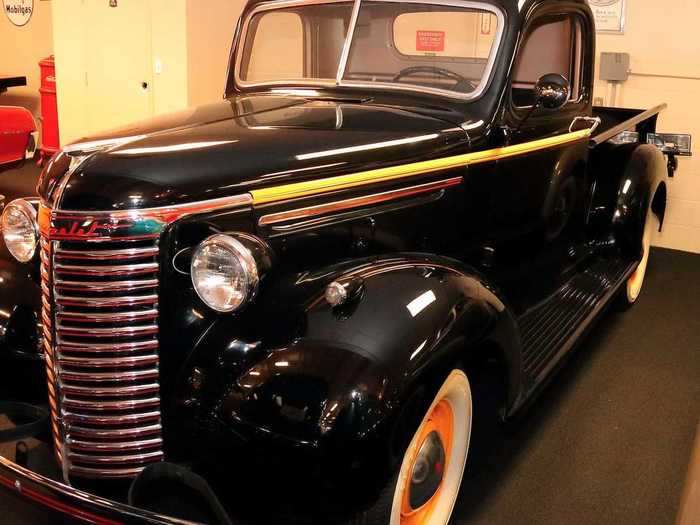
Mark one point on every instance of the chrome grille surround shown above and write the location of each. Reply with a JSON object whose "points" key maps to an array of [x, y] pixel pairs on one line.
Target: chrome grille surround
{"points": [[99, 286]]}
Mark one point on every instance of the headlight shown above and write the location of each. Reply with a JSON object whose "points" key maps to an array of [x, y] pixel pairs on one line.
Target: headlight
{"points": [[19, 229], [224, 273]]}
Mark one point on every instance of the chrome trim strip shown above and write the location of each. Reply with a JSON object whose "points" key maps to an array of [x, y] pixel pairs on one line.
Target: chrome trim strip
{"points": [[55, 489], [128, 253], [109, 362], [88, 472], [124, 269], [170, 213], [111, 460], [111, 405], [111, 347], [89, 331], [356, 202], [110, 433], [122, 376], [353, 215], [118, 446], [106, 286], [112, 420], [117, 391], [121, 316], [105, 302]]}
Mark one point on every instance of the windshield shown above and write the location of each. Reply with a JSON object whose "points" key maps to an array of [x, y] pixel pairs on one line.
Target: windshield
{"points": [[426, 46]]}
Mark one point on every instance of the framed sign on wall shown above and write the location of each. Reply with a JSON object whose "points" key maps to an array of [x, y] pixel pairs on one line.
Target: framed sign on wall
{"points": [[609, 15], [19, 12]]}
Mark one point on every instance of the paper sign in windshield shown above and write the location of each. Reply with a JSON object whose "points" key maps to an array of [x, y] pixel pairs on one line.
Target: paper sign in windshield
{"points": [[431, 41]]}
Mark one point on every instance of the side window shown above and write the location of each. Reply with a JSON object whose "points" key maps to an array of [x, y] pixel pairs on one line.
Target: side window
{"points": [[554, 46]]}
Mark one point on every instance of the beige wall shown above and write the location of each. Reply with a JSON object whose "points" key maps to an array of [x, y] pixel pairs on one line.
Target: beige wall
{"points": [[69, 36], [662, 38], [169, 48], [188, 55], [210, 29], [191, 43], [22, 48], [166, 56]]}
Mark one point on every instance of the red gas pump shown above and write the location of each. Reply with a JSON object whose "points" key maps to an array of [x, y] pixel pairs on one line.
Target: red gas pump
{"points": [[50, 143]]}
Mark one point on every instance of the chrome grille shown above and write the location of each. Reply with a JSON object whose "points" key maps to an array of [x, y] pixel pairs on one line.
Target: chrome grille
{"points": [[100, 316]]}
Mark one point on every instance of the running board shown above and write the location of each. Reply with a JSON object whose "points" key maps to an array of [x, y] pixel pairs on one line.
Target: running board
{"points": [[550, 329]]}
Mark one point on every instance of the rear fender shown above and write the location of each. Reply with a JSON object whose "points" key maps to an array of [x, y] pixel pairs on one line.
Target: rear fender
{"points": [[643, 184]]}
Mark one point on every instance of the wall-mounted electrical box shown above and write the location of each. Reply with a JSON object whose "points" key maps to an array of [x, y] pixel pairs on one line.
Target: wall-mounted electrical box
{"points": [[614, 67]]}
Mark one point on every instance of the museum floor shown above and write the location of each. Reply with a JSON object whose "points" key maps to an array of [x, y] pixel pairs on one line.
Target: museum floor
{"points": [[608, 442]]}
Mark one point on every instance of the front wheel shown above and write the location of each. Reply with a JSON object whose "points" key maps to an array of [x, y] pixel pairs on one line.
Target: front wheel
{"points": [[425, 489]]}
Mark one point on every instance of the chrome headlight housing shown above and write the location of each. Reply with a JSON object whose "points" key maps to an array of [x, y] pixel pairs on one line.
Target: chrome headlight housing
{"points": [[19, 229], [224, 272]]}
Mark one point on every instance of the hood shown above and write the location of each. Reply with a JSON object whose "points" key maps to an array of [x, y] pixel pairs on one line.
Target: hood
{"points": [[244, 143]]}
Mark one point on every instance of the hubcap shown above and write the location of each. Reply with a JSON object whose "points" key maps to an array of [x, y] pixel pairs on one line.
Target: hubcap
{"points": [[427, 471], [422, 489], [431, 470]]}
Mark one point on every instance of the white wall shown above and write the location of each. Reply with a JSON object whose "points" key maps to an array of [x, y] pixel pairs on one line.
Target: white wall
{"points": [[662, 38]]}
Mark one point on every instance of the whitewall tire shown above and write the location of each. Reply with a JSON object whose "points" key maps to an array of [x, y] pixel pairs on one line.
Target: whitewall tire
{"points": [[450, 416], [636, 280], [425, 489]]}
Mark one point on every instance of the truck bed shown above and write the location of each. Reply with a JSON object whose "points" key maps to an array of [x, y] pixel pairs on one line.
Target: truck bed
{"points": [[616, 120]]}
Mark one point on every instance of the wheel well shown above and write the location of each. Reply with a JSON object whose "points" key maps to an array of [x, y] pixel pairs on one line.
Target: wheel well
{"points": [[658, 203], [489, 376]]}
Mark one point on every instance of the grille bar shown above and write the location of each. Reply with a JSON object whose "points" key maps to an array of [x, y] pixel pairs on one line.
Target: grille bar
{"points": [[123, 315], [111, 347], [100, 317], [107, 255]]}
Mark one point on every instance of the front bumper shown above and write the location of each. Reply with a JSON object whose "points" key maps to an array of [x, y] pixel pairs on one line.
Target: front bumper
{"points": [[76, 504]]}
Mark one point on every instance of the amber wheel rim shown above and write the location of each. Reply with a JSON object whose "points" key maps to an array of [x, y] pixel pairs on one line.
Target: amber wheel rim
{"points": [[447, 428]]}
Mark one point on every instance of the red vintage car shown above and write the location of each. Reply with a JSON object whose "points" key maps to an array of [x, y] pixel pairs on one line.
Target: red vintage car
{"points": [[18, 136]]}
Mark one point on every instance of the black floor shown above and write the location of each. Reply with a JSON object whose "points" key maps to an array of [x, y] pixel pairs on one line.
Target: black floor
{"points": [[608, 442]]}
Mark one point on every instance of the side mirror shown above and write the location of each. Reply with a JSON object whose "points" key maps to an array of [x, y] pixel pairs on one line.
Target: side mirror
{"points": [[552, 91]]}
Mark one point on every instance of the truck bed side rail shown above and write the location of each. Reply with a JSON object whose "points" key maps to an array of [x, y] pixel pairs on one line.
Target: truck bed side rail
{"points": [[641, 121]]}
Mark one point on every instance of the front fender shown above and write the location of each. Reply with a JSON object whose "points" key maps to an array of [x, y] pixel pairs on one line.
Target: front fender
{"points": [[349, 384], [21, 362]]}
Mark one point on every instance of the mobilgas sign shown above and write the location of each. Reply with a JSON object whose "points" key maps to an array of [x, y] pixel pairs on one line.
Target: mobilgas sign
{"points": [[19, 12]]}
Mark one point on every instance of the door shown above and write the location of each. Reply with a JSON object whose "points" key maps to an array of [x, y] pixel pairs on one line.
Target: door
{"points": [[539, 212], [118, 63]]}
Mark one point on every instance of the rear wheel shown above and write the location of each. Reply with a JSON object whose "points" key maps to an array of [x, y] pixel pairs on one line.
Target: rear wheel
{"points": [[425, 489], [635, 282]]}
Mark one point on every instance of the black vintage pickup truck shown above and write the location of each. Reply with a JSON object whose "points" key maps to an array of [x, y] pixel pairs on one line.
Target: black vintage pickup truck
{"points": [[285, 294]]}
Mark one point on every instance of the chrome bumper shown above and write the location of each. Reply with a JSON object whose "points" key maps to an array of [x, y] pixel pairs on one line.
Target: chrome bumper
{"points": [[77, 504]]}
